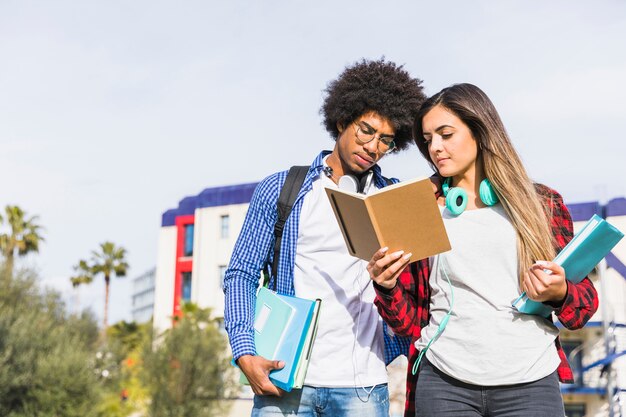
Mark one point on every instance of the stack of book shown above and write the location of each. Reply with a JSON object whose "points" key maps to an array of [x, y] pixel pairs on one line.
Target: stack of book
{"points": [[284, 330]]}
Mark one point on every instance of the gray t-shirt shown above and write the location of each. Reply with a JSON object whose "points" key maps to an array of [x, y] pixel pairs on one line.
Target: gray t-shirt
{"points": [[486, 342]]}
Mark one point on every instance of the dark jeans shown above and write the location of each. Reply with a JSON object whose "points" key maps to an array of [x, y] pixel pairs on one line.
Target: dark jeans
{"points": [[440, 395]]}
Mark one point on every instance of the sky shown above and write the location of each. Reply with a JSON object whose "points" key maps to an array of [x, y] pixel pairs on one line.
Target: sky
{"points": [[112, 111]]}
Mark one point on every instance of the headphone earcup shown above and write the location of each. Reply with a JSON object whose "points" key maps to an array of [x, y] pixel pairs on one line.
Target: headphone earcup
{"points": [[456, 200], [487, 193], [351, 183], [348, 183]]}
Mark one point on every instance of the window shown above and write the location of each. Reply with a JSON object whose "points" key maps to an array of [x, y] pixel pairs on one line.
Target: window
{"points": [[188, 250], [222, 269], [224, 226], [575, 410], [186, 286]]}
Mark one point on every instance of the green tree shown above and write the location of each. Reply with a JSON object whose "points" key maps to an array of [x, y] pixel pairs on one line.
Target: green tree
{"points": [[46, 357], [127, 336], [109, 260], [23, 237], [187, 372]]}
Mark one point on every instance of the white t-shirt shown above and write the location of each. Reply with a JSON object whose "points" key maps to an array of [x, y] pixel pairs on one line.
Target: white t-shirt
{"points": [[349, 347], [486, 342]]}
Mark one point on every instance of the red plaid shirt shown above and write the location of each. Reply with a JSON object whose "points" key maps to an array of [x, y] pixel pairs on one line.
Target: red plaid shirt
{"points": [[405, 308]]}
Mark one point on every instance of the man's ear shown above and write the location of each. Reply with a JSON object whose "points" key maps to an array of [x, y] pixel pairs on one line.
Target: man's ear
{"points": [[340, 127]]}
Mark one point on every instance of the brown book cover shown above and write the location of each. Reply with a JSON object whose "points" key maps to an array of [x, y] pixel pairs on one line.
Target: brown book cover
{"points": [[403, 216]]}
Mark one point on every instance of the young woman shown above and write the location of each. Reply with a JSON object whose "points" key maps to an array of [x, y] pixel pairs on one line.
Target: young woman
{"points": [[477, 355]]}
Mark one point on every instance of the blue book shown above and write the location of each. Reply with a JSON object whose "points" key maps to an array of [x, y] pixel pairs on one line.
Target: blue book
{"points": [[284, 329], [592, 243]]}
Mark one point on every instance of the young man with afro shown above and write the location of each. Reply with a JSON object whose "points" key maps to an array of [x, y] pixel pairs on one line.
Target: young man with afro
{"points": [[368, 111]]}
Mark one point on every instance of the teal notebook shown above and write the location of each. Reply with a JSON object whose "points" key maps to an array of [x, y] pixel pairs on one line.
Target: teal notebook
{"points": [[272, 317], [592, 243]]}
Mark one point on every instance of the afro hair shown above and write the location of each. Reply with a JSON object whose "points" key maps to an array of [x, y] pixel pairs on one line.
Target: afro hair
{"points": [[374, 86]]}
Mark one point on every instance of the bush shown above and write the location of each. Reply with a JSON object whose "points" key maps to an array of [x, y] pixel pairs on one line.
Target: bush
{"points": [[45, 356], [187, 371]]}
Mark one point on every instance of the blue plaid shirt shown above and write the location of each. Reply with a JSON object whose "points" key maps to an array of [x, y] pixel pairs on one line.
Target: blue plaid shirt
{"points": [[255, 245]]}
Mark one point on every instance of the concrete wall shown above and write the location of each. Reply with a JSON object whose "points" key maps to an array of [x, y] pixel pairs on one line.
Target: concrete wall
{"points": [[164, 280], [212, 251]]}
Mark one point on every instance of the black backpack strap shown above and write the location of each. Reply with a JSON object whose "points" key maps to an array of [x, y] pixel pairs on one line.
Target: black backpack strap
{"points": [[288, 193]]}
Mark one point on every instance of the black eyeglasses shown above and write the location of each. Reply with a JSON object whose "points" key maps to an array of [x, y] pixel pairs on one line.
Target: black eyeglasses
{"points": [[367, 134]]}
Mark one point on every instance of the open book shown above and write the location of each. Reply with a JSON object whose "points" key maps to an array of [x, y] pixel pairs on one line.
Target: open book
{"points": [[578, 258], [284, 329], [403, 216]]}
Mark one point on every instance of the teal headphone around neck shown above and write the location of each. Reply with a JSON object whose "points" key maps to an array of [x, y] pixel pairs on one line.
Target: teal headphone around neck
{"points": [[456, 197]]}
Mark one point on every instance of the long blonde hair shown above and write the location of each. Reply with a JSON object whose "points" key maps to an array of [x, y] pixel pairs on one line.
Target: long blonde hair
{"points": [[502, 166]]}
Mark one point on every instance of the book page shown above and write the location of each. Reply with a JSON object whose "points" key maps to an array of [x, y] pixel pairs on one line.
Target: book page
{"points": [[354, 222]]}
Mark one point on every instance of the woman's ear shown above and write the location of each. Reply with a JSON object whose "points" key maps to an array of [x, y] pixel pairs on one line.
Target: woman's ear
{"points": [[340, 127]]}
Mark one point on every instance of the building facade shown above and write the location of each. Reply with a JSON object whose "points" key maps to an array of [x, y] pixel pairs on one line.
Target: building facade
{"points": [[197, 237], [195, 243], [143, 296]]}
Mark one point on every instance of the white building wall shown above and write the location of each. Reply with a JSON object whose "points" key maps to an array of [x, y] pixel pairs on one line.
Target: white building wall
{"points": [[212, 251], [164, 280]]}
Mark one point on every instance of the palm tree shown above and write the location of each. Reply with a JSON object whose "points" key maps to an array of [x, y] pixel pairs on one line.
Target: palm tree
{"points": [[83, 275], [24, 235], [109, 260]]}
